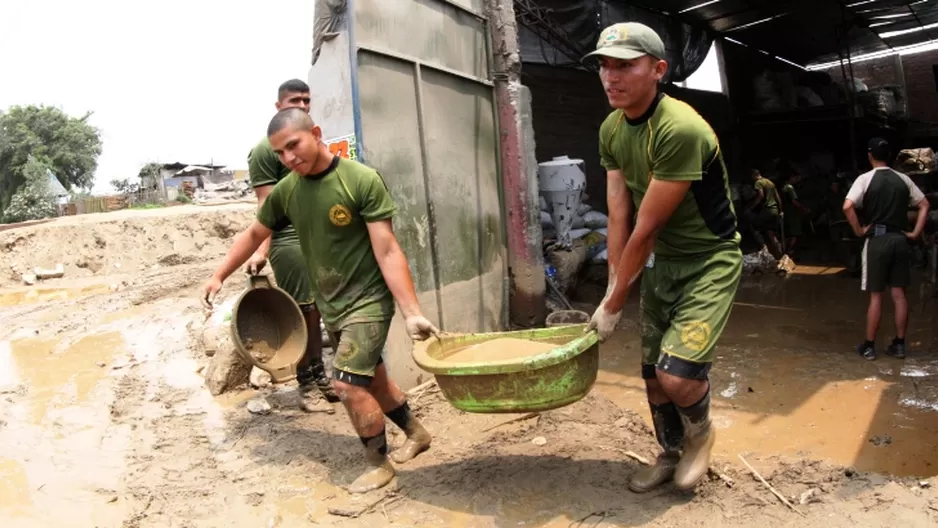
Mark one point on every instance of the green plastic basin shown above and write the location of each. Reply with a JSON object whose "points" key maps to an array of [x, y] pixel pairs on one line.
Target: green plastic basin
{"points": [[542, 382]]}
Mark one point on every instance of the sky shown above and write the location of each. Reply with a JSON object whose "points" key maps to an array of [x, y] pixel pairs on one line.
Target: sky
{"points": [[174, 80]]}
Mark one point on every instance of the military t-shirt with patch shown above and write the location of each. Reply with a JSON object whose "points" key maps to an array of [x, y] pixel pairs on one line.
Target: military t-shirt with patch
{"points": [[672, 142], [769, 200], [884, 197], [265, 168], [330, 212]]}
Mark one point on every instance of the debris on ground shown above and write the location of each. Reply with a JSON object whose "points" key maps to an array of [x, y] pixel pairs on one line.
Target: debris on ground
{"points": [[56, 273], [259, 379], [259, 406]]}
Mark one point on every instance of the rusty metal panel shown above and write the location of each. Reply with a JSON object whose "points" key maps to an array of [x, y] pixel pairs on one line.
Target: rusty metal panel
{"points": [[432, 31]]}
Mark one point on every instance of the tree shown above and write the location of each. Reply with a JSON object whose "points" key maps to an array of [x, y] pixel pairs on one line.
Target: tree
{"points": [[33, 200], [67, 145], [125, 186], [150, 175]]}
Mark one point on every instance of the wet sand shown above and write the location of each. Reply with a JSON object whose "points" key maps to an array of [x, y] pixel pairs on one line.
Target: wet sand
{"points": [[499, 350]]}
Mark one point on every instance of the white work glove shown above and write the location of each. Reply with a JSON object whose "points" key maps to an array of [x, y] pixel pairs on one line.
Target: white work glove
{"points": [[603, 322], [420, 329]]}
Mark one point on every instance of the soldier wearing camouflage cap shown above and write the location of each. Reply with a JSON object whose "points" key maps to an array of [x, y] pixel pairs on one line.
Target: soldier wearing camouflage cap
{"points": [[663, 160]]}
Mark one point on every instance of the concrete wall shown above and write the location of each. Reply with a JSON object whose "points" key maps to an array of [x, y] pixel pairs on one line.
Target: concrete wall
{"points": [[426, 116], [914, 72], [177, 182]]}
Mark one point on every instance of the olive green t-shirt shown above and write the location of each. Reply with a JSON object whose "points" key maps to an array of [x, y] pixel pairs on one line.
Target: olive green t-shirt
{"points": [[330, 212], [672, 142], [264, 168], [769, 199]]}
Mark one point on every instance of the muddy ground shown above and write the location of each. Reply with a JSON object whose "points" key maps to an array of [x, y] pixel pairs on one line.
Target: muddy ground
{"points": [[105, 421]]}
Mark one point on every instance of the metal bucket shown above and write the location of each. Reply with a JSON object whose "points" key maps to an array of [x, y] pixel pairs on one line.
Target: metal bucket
{"points": [[567, 318], [268, 329]]}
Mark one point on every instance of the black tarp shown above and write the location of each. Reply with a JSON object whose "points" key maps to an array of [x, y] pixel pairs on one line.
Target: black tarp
{"points": [[583, 20]]}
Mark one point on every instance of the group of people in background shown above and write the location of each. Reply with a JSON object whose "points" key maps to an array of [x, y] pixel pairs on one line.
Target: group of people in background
{"points": [[874, 208]]}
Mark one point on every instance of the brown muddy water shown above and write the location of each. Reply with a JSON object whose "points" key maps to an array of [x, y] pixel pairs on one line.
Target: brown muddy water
{"points": [[787, 380]]}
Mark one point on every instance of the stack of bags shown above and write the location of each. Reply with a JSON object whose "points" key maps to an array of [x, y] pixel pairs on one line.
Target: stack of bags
{"points": [[586, 222]]}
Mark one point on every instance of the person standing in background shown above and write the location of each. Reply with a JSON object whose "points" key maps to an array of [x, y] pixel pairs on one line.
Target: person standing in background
{"points": [[286, 259], [884, 197]]}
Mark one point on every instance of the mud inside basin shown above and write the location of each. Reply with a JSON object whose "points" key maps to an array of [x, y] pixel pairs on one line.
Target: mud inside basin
{"points": [[543, 381]]}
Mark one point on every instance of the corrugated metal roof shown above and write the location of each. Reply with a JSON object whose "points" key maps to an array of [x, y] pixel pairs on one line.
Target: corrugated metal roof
{"points": [[55, 186], [809, 31]]}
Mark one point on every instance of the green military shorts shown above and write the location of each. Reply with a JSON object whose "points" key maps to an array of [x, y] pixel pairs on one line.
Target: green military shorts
{"points": [[685, 305], [292, 274], [887, 262], [358, 352]]}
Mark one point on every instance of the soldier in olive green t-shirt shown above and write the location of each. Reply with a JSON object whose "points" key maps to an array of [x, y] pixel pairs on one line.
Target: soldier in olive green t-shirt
{"points": [[764, 213], [671, 221], [286, 259], [342, 212]]}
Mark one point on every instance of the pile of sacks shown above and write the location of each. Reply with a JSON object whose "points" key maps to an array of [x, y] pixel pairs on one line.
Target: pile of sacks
{"points": [[762, 261], [585, 222]]}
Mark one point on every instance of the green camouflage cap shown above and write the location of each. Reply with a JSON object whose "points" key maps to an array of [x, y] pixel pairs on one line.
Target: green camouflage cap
{"points": [[629, 40]]}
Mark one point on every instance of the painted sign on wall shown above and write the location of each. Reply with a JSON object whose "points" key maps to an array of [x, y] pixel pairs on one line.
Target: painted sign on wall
{"points": [[344, 147]]}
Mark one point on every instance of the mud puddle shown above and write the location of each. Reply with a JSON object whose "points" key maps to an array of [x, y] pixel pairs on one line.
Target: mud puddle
{"points": [[47, 294], [55, 427], [786, 380]]}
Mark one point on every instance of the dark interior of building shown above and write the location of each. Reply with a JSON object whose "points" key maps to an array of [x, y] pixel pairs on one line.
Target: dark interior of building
{"points": [[791, 99]]}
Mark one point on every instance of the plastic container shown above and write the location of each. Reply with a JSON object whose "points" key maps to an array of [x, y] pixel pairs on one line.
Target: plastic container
{"points": [[266, 319], [545, 381], [562, 181], [567, 318]]}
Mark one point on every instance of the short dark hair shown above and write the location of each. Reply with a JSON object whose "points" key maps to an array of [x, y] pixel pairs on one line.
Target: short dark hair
{"points": [[879, 149], [291, 87], [289, 117]]}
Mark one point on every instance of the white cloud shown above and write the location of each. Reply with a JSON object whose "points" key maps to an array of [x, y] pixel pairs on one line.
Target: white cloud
{"points": [[174, 80]]}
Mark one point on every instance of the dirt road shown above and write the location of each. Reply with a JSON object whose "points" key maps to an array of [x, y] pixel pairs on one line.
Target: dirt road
{"points": [[104, 419]]}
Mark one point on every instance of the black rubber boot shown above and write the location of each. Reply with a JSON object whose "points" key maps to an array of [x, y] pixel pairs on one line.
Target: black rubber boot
{"points": [[314, 374], [669, 430], [699, 437]]}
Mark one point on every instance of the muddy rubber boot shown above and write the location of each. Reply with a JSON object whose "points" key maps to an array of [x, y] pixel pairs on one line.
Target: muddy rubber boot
{"points": [[323, 384], [699, 437], [648, 478], [314, 373], [669, 431], [310, 400], [380, 472], [418, 439]]}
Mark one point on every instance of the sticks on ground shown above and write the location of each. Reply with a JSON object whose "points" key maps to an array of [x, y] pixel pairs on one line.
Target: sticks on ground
{"points": [[419, 391], [513, 420], [769, 486], [368, 507], [726, 480], [422, 387], [631, 454]]}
